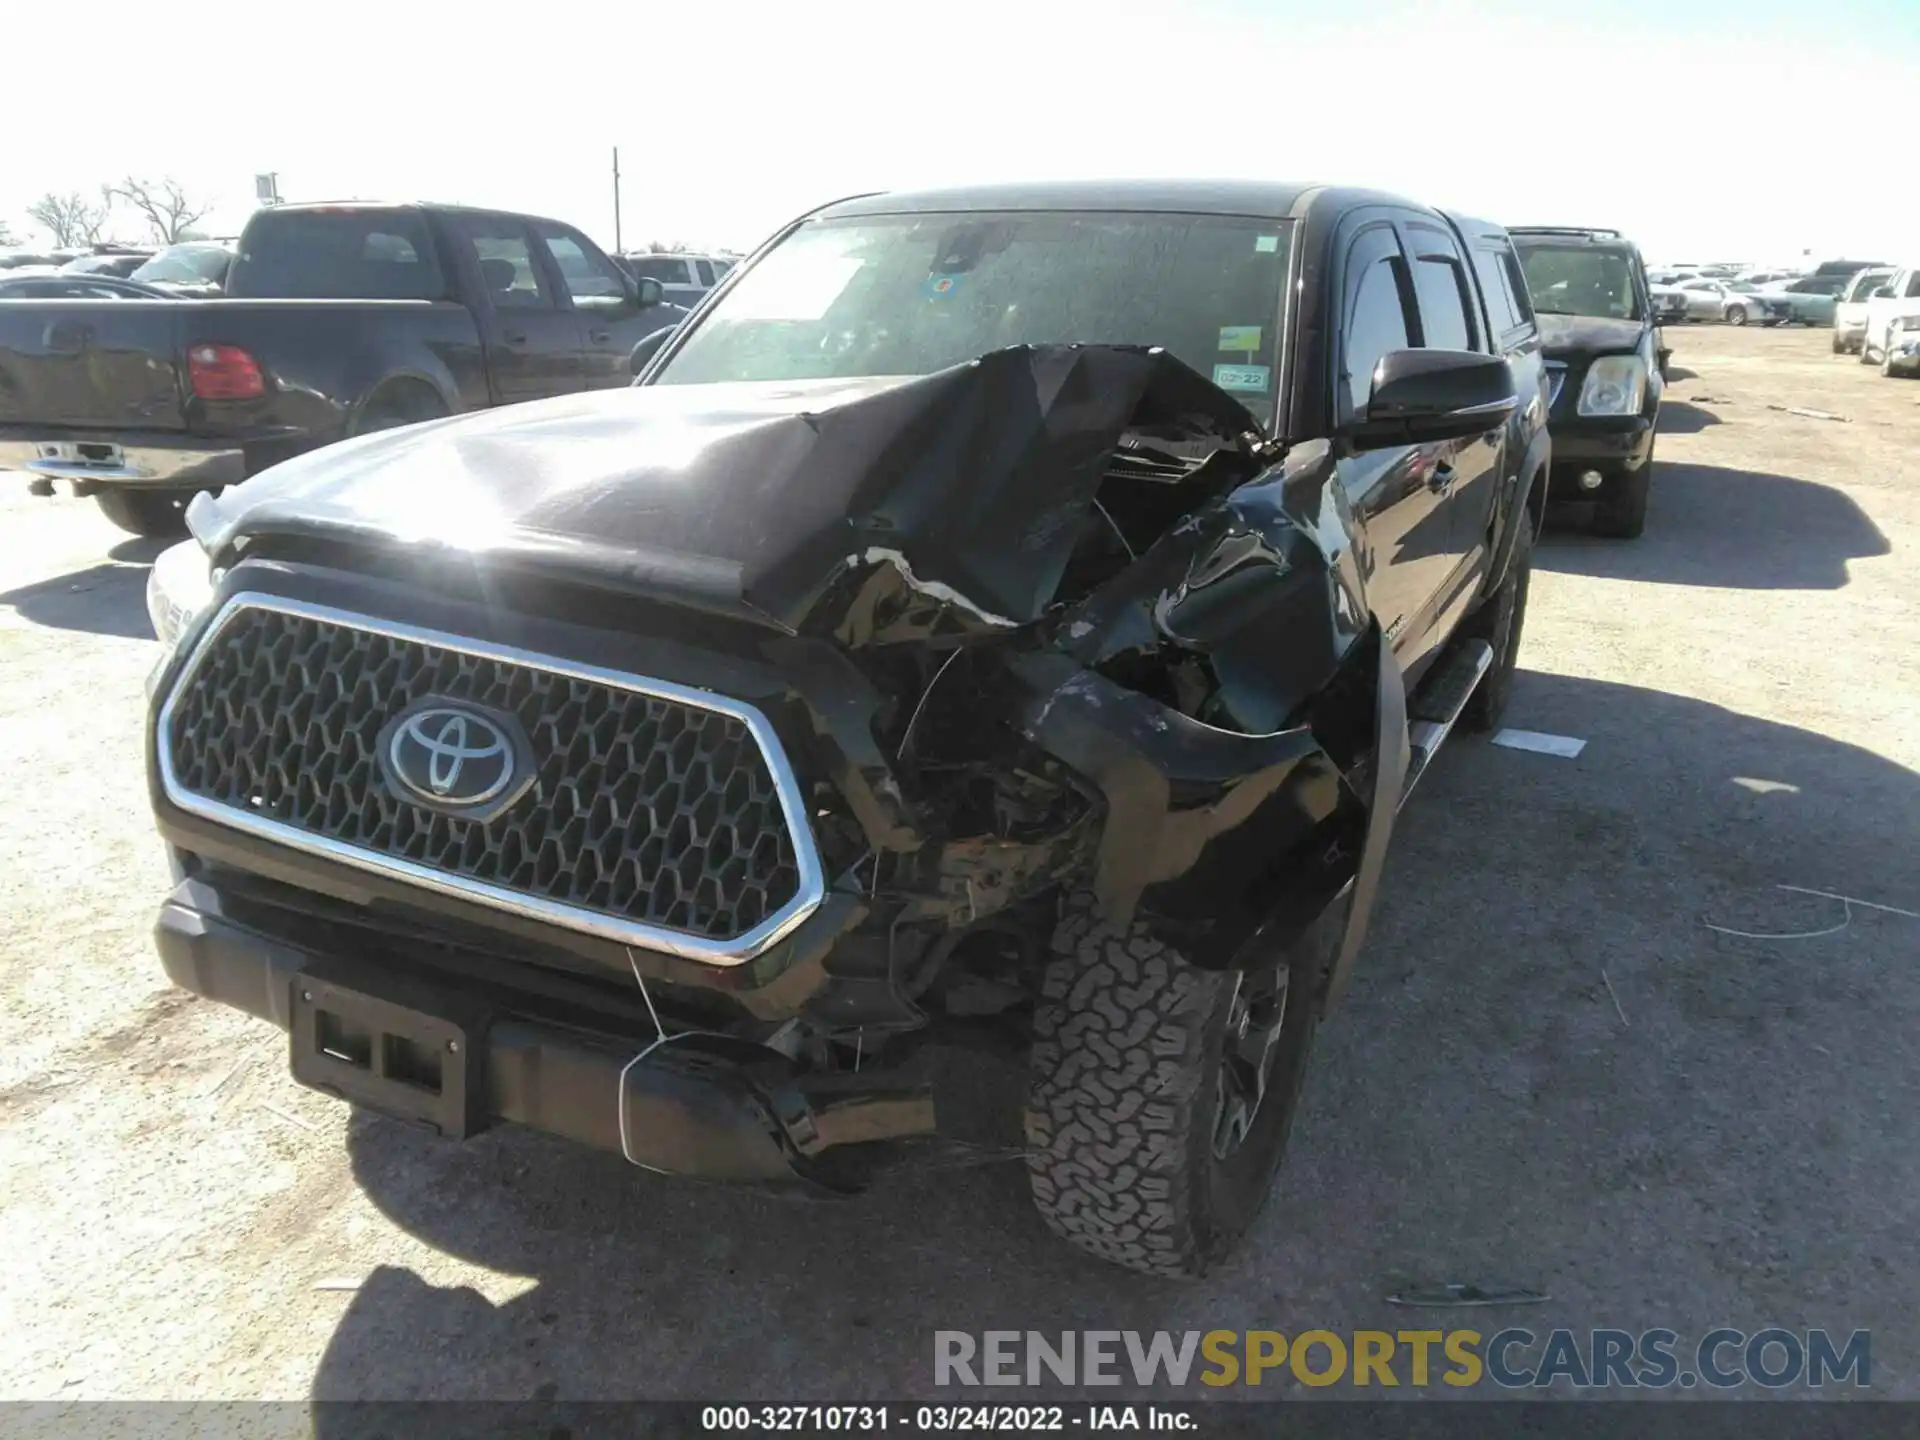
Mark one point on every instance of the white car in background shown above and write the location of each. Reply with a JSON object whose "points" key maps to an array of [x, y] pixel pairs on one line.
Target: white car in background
{"points": [[1850, 311], [1733, 301], [1893, 324]]}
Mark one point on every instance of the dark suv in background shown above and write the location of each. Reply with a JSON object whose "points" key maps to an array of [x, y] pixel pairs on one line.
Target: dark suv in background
{"points": [[1605, 359]]}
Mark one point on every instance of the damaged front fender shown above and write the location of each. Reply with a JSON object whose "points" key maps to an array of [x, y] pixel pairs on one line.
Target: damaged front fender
{"points": [[1233, 699]]}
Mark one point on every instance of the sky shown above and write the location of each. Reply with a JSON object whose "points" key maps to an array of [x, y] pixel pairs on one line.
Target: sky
{"points": [[1749, 130]]}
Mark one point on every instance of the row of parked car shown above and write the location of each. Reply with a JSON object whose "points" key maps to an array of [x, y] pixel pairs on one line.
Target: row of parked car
{"points": [[1879, 320], [1759, 297], [192, 268]]}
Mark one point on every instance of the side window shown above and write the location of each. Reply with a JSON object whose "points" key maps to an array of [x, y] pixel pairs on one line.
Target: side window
{"points": [[588, 277], [1376, 326], [1517, 285], [705, 271], [1913, 284], [1493, 280], [1444, 321], [667, 269], [504, 258]]}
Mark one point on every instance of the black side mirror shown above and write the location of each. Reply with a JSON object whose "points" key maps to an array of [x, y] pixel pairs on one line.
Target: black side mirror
{"points": [[647, 292], [1425, 395], [649, 347]]}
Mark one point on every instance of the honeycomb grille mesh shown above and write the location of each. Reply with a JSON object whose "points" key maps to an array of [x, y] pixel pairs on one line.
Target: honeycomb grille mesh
{"points": [[645, 809]]}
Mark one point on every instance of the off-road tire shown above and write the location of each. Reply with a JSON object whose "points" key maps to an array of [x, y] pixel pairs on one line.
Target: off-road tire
{"points": [[1500, 621], [1123, 1096], [160, 514]]}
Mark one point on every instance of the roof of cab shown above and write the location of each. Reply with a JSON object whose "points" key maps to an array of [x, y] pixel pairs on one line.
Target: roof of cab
{"points": [[1201, 197]]}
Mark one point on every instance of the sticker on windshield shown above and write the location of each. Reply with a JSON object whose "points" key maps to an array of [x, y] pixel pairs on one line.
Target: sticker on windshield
{"points": [[1240, 337], [941, 287], [1265, 244], [1241, 377]]}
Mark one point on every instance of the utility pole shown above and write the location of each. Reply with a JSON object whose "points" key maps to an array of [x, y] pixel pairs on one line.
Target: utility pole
{"points": [[616, 199]]}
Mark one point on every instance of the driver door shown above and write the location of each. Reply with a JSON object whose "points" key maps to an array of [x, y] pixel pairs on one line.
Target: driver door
{"points": [[601, 297]]}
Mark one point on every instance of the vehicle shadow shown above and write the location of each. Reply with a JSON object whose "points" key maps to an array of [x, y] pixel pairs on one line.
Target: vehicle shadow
{"points": [[1731, 529], [106, 599], [1677, 417], [1681, 372], [1476, 1111]]}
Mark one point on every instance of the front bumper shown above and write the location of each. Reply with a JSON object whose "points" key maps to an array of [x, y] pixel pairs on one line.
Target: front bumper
{"points": [[1903, 350], [706, 1107], [84, 461], [1609, 443]]}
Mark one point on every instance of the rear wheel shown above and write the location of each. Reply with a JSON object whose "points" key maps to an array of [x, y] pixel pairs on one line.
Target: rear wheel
{"points": [[401, 403], [1736, 315], [159, 513], [1161, 1095]]}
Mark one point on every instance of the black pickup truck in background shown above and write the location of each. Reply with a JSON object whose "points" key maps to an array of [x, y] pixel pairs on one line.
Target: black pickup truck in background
{"points": [[337, 320]]}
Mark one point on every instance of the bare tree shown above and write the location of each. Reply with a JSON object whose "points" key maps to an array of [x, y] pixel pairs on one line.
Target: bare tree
{"points": [[168, 209], [6, 235], [72, 219]]}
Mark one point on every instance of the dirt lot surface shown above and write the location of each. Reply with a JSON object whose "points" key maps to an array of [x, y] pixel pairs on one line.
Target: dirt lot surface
{"points": [[1738, 1142]]}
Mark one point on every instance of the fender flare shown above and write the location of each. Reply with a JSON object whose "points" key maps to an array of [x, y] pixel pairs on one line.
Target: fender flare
{"points": [[1533, 474], [1392, 754], [409, 377]]}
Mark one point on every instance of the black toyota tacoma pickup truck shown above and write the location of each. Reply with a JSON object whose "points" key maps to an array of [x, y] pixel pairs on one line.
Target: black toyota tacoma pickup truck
{"points": [[338, 320], [1005, 622], [1606, 363]]}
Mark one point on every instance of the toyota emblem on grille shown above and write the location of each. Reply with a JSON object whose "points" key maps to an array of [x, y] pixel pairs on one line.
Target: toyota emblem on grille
{"points": [[453, 757]]}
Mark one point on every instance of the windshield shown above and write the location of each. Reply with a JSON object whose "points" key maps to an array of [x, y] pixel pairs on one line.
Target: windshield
{"points": [[912, 294], [1580, 280], [187, 264]]}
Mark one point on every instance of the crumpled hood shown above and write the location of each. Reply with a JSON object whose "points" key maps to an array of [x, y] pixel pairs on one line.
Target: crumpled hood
{"points": [[756, 499], [1564, 335]]}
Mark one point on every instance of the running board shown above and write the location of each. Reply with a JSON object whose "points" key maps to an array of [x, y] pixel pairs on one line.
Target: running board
{"points": [[1438, 705]]}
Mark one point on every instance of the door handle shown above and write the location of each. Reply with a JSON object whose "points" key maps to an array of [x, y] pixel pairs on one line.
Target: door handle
{"points": [[600, 337], [515, 337]]}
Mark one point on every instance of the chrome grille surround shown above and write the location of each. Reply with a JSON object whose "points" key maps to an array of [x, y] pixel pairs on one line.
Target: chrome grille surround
{"points": [[771, 783]]}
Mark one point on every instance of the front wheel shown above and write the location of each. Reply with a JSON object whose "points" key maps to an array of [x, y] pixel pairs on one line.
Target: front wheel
{"points": [[155, 513], [1839, 346], [1736, 315], [1160, 1095]]}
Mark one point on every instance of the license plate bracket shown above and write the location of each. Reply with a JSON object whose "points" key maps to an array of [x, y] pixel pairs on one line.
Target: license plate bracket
{"points": [[407, 1063]]}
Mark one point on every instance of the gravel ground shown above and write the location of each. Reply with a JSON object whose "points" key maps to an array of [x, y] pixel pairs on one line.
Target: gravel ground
{"points": [[1736, 1143]]}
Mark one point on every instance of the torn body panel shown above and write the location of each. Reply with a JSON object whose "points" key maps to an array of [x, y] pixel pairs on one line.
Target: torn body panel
{"points": [[1255, 801]]}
